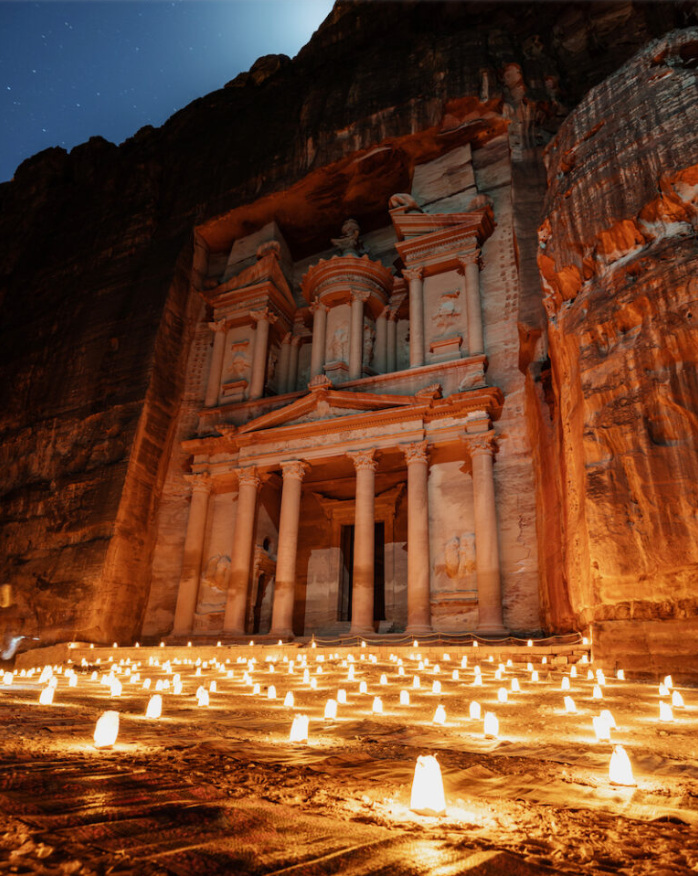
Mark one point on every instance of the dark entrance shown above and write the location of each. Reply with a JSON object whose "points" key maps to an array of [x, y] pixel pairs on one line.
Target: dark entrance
{"points": [[346, 577]]}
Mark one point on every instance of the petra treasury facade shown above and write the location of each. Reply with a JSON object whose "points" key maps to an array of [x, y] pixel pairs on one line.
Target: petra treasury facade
{"points": [[394, 339]]}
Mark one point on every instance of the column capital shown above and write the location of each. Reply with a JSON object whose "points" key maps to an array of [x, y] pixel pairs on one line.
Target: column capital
{"points": [[318, 305], [249, 475], [294, 469], [363, 459], [478, 443], [265, 315], [413, 273], [417, 452], [360, 295], [219, 325], [470, 258], [200, 482], [385, 313], [392, 314], [287, 338]]}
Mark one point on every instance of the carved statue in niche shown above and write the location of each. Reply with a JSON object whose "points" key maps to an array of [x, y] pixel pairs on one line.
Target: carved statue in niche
{"points": [[459, 555], [369, 340], [348, 243], [337, 347], [239, 362], [271, 366], [447, 312]]}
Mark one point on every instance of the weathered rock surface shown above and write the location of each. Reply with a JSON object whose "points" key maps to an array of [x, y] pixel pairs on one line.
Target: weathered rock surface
{"points": [[619, 262], [98, 257]]}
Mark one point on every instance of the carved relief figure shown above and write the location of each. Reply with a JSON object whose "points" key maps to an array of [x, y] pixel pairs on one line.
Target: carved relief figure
{"points": [[369, 340], [348, 243], [240, 362], [217, 573], [447, 312], [337, 347], [459, 555]]}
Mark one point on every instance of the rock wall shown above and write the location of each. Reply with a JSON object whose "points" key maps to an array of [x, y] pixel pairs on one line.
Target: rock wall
{"points": [[619, 260], [97, 257]]}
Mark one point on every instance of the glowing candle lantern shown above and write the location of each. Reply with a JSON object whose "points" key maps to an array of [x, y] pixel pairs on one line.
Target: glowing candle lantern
{"points": [[198, 671], [115, 688], [256, 688], [464, 662], [476, 644], [585, 658], [401, 671], [609, 719], [477, 670], [350, 673], [427, 795], [498, 675], [436, 687], [154, 709], [306, 676], [436, 669], [565, 683], [477, 681], [7, 678], [502, 695], [597, 693], [491, 727], [590, 675], [177, 686], [342, 696], [475, 711], [421, 665], [53, 681], [202, 697], [663, 690], [677, 700], [384, 679], [288, 700], [529, 667], [620, 675], [299, 729], [94, 676], [570, 706], [159, 684], [439, 715], [73, 681], [377, 705], [230, 673], [404, 698], [46, 673], [515, 686], [600, 677], [363, 687], [573, 672], [46, 696], [271, 692], [106, 730], [602, 729], [620, 772], [415, 681], [665, 712], [668, 681], [415, 644], [530, 643], [534, 675]]}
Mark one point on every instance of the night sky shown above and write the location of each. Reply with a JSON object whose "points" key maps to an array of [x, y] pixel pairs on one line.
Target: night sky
{"points": [[69, 71]]}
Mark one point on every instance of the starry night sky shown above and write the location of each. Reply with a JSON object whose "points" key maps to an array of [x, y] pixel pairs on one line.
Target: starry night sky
{"points": [[72, 70]]}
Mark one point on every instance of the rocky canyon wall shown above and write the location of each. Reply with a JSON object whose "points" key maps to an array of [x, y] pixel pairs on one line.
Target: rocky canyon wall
{"points": [[99, 268], [619, 260]]}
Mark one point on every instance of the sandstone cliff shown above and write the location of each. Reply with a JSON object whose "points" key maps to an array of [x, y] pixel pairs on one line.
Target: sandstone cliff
{"points": [[98, 256]]}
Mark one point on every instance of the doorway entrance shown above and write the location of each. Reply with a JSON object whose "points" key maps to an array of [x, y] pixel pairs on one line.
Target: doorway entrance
{"points": [[347, 567]]}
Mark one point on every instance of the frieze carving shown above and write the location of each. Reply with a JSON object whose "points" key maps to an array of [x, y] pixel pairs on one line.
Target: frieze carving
{"points": [[294, 470], [363, 459], [481, 442], [459, 555], [417, 452]]}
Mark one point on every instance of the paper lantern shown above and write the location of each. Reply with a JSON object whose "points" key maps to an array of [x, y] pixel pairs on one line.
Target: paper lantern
{"points": [[415, 681], [665, 712], [668, 681], [377, 705], [597, 693], [288, 700], [306, 676], [202, 697], [384, 679], [585, 658], [620, 675], [620, 772], [177, 686], [515, 686], [498, 674], [590, 675], [299, 729], [330, 710], [401, 671], [106, 730], [663, 690], [677, 700], [271, 692], [463, 662], [256, 688], [436, 669], [404, 698], [609, 719], [436, 687], [569, 705], [534, 675], [455, 675], [602, 729], [491, 727], [502, 695], [46, 696], [159, 685], [565, 683], [7, 678], [115, 688], [427, 795], [350, 673], [439, 715], [573, 672], [600, 677], [475, 711], [363, 687], [342, 696], [477, 670], [154, 709], [212, 687], [477, 681]]}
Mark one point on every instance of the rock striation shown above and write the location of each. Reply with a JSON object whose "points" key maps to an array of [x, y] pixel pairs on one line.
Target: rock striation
{"points": [[100, 257]]}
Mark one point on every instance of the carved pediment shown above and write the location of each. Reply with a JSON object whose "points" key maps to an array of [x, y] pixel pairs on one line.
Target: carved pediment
{"points": [[327, 404]]}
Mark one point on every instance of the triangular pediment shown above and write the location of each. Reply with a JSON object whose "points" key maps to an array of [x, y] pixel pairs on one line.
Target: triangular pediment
{"points": [[326, 405]]}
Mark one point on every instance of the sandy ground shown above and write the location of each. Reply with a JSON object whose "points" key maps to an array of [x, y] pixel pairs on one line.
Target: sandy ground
{"points": [[220, 789]]}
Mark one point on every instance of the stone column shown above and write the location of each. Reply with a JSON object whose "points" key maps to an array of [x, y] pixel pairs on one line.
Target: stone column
{"points": [[470, 268], [193, 550], [285, 585], [414, 276], [213, 387], [236, 603], [380, 354], [364, 543], [263, 318], [418, 563], [481, 447], [293, 364], [356, 335], [391, 363], [317, 354], [284, 363]]}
